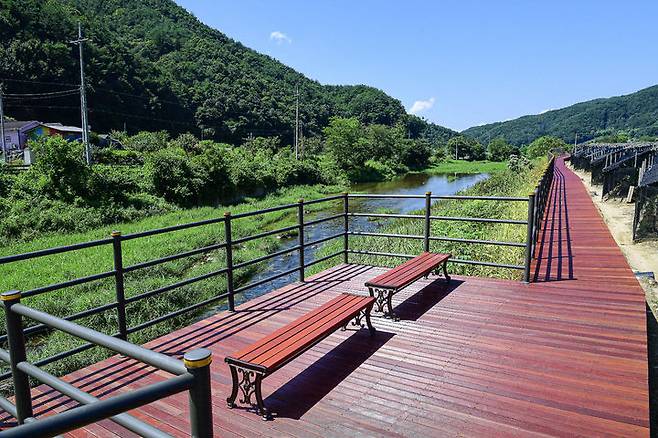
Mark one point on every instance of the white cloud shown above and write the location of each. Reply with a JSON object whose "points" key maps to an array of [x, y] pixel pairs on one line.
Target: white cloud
{"points": [[546, 110], [280, 37], [421, 105]]}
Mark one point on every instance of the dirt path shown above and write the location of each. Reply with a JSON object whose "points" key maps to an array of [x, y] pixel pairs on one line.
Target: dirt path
{"points": [[618, 215]]}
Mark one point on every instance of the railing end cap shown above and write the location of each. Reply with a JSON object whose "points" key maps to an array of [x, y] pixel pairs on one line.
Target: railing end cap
{"points": [[227, 213], [428, 193], [198, 358], [10, 295], [115, 233]]}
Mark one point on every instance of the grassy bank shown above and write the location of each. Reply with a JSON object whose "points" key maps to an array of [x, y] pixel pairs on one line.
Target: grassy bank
{"points": [[30, 274], [503, 183], [463, 166]]}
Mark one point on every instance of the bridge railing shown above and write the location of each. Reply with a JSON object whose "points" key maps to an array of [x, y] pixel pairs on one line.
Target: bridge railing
{"points": [[192, 375]]}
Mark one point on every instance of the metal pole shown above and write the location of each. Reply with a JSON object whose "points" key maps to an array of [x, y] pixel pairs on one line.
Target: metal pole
{"points": [[229, 261], [297, 122], [83, 96], [300, 217], [428, 206], [346, 241], [198, 363], [17, 354], [119, 284], [529, 237], [2, 125]]}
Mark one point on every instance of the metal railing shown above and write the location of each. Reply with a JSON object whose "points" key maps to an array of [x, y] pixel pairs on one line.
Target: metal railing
{"points": [[537, 202], [192, 375]]}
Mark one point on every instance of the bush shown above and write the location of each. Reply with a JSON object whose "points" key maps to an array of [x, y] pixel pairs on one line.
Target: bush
{"points": [[499, 150], [171, 176], [541, 146], [59, 170], [518, 163], [118, 157], [147, 141]]}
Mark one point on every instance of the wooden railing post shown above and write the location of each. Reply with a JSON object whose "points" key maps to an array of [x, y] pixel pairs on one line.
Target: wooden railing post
{"points": [[300, 218], [346, 237], [17, 354], [119, 285], [529, 237], [428, 207], [229, 261]]}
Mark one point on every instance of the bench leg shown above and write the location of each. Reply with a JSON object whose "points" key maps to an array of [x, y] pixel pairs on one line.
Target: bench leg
{"points": [[365, 313], [445, 271], [249, 384], [383, 297], [389, 304], [368, 322]]}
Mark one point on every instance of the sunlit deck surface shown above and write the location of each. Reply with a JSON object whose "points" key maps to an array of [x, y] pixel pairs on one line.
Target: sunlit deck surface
{"points": [[564, 356]]}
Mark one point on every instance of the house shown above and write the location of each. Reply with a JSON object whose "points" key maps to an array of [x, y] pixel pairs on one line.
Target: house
{"points": [[18, 133]]}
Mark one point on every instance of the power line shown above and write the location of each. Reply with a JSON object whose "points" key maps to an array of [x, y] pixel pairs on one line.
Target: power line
{"points": [[26, 81]]}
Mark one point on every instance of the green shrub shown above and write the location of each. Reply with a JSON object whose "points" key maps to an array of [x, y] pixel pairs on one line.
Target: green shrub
{"points": [[171, 176], [118, 157], [147, 141], [59, 168]]}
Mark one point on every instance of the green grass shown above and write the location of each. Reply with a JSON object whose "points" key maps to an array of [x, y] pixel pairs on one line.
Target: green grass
{"points": [[29, 274], [503, 183], [463, 166]]}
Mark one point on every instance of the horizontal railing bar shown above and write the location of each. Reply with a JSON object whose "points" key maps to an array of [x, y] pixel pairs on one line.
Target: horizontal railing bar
{"points": [[324, 219], [266, 257], [383, 254], [51, 251], [371, 234], [266, 280], [482, 198], [388, 215], [69, 283], [264, 234], [479, 219], [172, 228], [384, 196], [173, 257], [84, 415], [176, 285], [42, 327], [264, 211], [128, 421], [480, 242], [328, 198], [8, 407], [495, 265], [157, 360], [324, 239], [176, 313], [322, 259]]}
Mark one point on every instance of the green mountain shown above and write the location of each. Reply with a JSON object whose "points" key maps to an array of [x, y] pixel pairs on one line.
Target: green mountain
{"points": [[151, 65], [635, 113]]}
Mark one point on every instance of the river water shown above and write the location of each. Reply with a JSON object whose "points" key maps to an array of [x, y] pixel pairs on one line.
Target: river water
{"points": [[410, 184]]}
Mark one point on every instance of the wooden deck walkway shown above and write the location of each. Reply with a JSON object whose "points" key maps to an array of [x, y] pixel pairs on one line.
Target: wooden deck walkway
{"points": [[565, 356]]}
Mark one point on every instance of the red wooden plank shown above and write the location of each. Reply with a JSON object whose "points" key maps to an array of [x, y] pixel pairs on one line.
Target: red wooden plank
{"points": [[409, 271]]}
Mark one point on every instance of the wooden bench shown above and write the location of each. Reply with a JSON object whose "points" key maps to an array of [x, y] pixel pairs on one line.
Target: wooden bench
{"points": [[384, 286], [253, 363]]}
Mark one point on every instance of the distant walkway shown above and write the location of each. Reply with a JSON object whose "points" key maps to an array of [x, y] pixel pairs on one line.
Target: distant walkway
{"points": [[481, 357]]}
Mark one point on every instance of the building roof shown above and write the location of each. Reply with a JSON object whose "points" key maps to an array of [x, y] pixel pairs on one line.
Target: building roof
{"points": [[15, 125], [63, 128]]}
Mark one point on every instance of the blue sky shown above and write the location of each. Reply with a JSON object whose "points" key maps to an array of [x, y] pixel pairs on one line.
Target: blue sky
{"points": [[456, 63]]}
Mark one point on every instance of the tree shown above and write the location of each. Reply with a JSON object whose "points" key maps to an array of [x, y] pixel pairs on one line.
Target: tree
{"points": [[344, 140], [465, 148], [543, 145], [499, 150]]}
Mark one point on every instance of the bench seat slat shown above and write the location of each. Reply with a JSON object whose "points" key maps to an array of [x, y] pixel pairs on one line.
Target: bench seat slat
{"points": [[280, 346], [409, 271], [299, 326], [304, 340]]}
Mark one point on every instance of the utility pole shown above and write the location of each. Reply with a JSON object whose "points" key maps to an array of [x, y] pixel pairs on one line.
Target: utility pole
{"points": [[297, 122], [2, 125], [575, 144], [83, 97]]}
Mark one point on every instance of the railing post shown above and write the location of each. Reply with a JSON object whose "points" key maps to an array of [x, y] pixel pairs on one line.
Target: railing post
{"points": [[428, 206], [346, 238], [198, 363], [529, 237], [119, 286], [300, 218], [539, 203], [17, 354], [229, 261]]}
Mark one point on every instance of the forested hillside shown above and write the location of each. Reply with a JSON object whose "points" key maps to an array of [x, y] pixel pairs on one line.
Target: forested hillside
{"points": [[636, 114], [151, 66]]}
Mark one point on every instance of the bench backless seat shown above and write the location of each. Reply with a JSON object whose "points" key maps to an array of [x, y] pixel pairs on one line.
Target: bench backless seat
{"points": [[253, 363], [384, 286]]}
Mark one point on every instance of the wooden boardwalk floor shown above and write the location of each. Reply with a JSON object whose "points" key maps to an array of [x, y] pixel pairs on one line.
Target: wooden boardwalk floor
{"points": [[565, 356]]}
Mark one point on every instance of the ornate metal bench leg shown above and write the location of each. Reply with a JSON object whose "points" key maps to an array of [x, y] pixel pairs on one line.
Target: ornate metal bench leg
{"points": [[389, 304], [368, 323], [445, 271], [262, 410], [230, 401]]}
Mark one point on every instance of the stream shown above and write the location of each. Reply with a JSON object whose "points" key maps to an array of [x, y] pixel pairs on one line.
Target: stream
{"points": [[409, 184]]}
